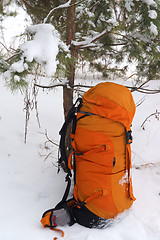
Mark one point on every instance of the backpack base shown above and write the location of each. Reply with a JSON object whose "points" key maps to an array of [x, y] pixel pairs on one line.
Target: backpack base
{"points": [[88, 219], [70, 213]]}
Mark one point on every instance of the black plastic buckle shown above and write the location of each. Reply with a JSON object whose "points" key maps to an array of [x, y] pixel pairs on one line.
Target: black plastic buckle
{"points": [[129, 138], [80, 204], [78, 154]]}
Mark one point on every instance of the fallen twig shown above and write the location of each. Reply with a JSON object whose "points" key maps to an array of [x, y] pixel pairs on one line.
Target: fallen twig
{"points": [[49, 140], [156, 114]]}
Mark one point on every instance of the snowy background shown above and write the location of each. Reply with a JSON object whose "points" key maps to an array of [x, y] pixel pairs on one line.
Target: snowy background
{"points": [[29, 181], [29, 185]]}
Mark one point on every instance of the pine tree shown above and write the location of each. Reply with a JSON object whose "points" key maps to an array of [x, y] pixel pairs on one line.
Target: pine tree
{"points": [[109, 35], [132, 31]]}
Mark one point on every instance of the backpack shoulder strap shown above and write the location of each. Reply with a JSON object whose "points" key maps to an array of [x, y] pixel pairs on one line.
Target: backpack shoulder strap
{"points": [[71, 117]]}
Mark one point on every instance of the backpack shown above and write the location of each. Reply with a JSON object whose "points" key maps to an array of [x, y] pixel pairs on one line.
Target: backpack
{"points": [[101, 157]]}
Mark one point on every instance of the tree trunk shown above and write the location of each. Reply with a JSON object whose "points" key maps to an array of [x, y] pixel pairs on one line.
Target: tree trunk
{"points": [[70, 29], [68, 91]]}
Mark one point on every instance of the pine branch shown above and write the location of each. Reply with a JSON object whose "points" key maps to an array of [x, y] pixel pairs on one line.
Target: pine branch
{"points": [[92, 40], [108, 45], [95, 5], [26, 3], [5, 47], [14, 56], [66, 5], [130, 39], [60, 6]]}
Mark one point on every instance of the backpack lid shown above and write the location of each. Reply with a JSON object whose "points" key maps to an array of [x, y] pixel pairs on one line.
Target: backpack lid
{"points": [[111, 100]]}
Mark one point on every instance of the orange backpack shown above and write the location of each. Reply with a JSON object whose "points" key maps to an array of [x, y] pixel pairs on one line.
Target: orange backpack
{"points": [[101, 157], [102, 150]]}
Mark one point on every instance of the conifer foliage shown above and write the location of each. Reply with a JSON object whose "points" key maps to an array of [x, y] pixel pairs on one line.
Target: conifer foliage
{"points": [[108, 35]]}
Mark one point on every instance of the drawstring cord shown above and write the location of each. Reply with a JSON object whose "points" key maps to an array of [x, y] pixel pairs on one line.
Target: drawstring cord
{"points": [[57, 230]]}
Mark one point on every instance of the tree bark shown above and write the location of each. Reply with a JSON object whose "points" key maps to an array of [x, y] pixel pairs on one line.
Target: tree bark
{"points": [[70, 30], [68, 90]]}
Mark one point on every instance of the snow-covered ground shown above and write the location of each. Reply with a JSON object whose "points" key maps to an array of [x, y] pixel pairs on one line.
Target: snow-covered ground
{"points": [[30, 184]]}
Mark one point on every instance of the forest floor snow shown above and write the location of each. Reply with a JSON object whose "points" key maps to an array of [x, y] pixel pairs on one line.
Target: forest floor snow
{"points": [[30, 184]]}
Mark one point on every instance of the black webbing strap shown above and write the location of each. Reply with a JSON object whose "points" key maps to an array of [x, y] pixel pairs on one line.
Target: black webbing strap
{"points": [[64, 199], [62, 147], [71, 117], [86, 114]]}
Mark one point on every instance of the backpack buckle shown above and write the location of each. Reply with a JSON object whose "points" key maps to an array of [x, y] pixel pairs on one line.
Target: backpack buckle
{"points": [[80, 204], [129, 138]]}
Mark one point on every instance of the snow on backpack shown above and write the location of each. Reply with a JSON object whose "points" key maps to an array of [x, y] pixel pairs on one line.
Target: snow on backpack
{"points": [[101, 157]]}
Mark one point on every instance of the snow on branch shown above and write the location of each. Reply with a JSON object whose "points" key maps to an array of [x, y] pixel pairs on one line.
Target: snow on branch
{"points": [[89, 41], [43, 49], [49, 86], [67, 4], [61, 85]]}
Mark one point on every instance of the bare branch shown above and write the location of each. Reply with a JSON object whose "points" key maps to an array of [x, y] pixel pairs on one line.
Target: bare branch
{"points": [[144, 90], [140, 102], [83, 86], [28, 106], [156, 114], [5, 47], [135, 88], [130, 77], [49, 140], [147, 165], [138, 89], [47, 156], [60, 85], [52, 86], [35, 93]]}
